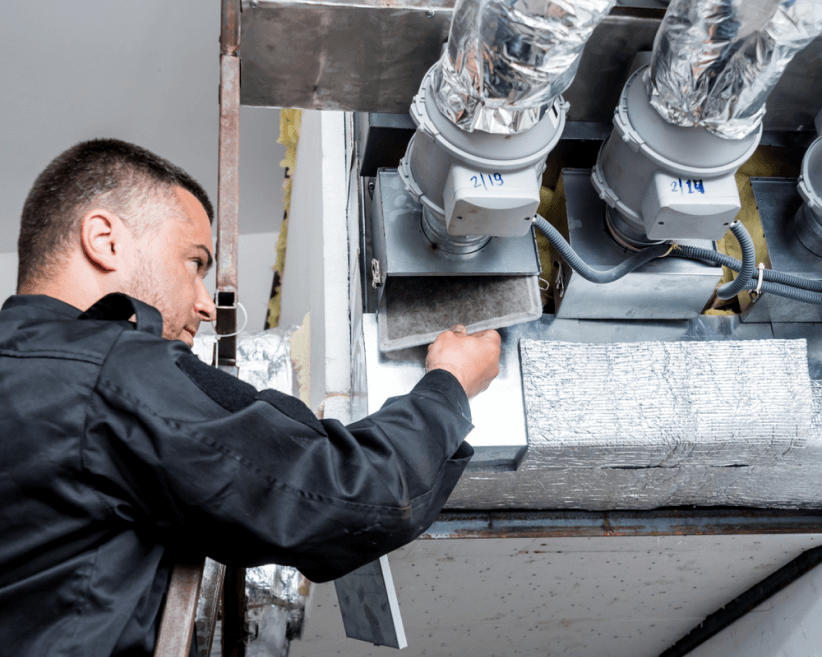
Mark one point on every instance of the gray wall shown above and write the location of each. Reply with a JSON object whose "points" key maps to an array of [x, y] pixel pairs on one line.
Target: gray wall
{"points": [[146, 72]]}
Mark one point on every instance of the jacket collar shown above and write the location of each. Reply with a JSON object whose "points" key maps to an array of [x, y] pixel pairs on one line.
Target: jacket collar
{"points": [[114, 307]]}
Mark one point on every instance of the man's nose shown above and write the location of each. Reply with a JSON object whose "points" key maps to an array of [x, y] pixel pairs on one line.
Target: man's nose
{"points": [[204, 306]]}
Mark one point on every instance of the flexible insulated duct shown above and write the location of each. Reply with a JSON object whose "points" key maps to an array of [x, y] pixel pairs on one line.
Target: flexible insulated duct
{"points": [[507, 60], [715, 62]]}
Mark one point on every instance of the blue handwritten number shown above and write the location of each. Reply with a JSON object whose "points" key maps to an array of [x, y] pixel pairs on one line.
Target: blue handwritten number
{"points": [[498, 178], [673, 185], [698, 186], [688, 182], [476, 181]]}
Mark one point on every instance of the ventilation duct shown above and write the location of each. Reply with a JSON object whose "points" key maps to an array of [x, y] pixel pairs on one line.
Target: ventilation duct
{"points": [[489, 112], [716, 61], [507, 60], [667, 171]]}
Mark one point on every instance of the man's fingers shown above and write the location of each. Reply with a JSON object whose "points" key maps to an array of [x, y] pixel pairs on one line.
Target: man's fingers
{"points": [[490, 334], [460, 329]]}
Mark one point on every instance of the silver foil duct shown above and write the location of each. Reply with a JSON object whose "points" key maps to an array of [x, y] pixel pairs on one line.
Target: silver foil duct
{"points": [[507, 60], [275, 599], [715, 62], [263, 359]]}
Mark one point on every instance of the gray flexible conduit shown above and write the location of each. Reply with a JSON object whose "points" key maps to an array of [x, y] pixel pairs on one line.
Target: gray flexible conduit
{"points": [[734, 287], [696, 253], [589, 273], [774, 282]]}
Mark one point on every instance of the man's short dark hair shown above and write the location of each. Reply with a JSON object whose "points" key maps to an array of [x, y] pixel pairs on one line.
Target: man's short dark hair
{"points": [[107, 173]]}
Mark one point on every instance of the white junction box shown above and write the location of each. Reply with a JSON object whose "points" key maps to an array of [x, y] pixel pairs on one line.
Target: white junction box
{"points": [[496, 203], [675, 207]]}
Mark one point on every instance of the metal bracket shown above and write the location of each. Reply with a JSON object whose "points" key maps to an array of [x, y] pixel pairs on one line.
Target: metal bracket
{"points": [[376, 275]]}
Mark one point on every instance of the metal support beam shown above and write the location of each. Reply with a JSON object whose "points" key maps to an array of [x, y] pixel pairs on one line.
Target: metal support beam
{"points": [[208, 606], [228, 207], [746, 603], [177, 624], [660, 522], [234, 631], [228, 197]]}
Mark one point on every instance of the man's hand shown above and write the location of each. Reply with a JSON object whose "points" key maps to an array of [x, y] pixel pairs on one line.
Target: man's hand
{"points": [[473, 359]]}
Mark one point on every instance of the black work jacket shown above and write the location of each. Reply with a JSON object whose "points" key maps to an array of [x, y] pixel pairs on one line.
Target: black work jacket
{"points": [[120, 453]]}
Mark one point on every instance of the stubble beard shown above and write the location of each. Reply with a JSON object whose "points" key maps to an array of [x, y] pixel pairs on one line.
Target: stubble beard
{"points": [[146, 286]]}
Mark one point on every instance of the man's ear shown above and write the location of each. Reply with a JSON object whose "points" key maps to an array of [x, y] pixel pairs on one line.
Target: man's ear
{"points": [[101, 235]]}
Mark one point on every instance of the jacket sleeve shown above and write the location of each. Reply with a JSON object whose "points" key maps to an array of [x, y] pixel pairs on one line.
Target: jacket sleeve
{"points": [[204, 461]]}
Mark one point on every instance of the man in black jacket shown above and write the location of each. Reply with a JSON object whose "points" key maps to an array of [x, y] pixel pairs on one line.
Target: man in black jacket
{"points": [[121, 452]]}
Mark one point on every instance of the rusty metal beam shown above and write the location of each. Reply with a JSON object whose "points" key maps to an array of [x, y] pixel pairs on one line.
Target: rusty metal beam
{"points": [[660, 522], [228, 193], [234, 627], [208, 606], [177, 624], [230, 27]]}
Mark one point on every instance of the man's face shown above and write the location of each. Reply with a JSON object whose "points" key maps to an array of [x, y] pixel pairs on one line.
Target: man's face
{"points": [[170, 264]]}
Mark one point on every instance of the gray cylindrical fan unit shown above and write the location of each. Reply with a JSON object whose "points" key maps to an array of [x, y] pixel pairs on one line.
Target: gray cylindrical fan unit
{"points": [[489, 112], [667, 171], [475, 185], [808, 220], [663, 181]]}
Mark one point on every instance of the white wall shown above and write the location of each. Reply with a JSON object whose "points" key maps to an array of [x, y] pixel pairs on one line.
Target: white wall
{"points": [[146, 72], [316, 264]]}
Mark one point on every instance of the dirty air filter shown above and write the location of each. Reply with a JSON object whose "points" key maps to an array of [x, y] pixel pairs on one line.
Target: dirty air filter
{"points": [[415, 309]]}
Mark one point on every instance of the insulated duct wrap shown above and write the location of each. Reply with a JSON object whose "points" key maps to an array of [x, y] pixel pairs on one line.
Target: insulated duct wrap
{"points": [[663, 404], [715, 62], [656, 424], [507, 60]]}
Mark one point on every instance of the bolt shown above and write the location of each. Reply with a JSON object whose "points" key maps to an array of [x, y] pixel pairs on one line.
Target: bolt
{"points": [[429, 14], [255, 3]]}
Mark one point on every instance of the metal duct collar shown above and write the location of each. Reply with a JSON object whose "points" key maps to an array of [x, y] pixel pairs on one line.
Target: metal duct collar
{"points": [[507, 60], [716, 61]]}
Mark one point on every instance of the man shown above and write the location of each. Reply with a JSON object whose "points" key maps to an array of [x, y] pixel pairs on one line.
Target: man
{"points": [[120, 452]]}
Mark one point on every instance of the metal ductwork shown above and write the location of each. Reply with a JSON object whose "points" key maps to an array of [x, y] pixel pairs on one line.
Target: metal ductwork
{"points": [[668, 170], [716, 61], [507, 60], [471, 164]]}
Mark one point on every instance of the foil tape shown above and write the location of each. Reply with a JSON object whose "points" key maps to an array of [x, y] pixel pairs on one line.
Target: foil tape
{"points": [[507, 60], [278, 585], [263, 359], [275, 609], [715, 62]]}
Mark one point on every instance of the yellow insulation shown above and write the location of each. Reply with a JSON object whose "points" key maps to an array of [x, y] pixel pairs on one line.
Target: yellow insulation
{"points": [[767, 161], [289, 136]]}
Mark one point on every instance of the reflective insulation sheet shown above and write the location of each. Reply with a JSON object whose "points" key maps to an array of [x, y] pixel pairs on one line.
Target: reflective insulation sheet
{"points": [[715, 62], [662, 404], [648, 425], [507, 60], [275, 599], [263, 359]]}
